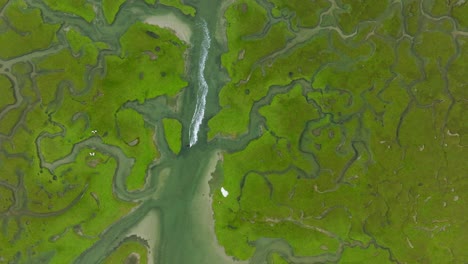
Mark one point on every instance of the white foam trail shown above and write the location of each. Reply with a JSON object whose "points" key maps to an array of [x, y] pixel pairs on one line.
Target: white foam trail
{"points": [[202, 88]]}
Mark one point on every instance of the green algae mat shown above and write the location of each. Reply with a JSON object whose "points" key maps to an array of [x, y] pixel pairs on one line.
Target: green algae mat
{"points": [[236, 131]]}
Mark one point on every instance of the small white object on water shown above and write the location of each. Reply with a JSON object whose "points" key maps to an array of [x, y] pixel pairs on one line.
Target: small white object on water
{"points": [[224, 192]]}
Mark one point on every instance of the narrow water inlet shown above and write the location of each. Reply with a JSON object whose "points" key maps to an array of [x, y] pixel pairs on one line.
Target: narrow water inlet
{"points": [[202, 87]]}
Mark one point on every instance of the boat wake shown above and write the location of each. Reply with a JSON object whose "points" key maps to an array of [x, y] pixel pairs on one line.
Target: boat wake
{"points": [[202, 88]]}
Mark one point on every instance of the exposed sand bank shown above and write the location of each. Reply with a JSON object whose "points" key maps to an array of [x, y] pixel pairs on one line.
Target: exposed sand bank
{"points": [[172, 22], [148, 229], [202, 204]]}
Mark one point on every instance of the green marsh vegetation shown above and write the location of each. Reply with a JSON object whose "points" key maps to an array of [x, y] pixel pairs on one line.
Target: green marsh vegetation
{"points": [[173, 133], [363, 136], [62, 91], [342, 129], [22, 25], [128, 252], [110, 9], [80, 8], [179, 5]]}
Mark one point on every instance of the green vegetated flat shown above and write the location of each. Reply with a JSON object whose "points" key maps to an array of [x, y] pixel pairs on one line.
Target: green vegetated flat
{"points": [[364, 136], [277, 259], [27, 29], [173, 132], [63, 106], [110, 9], [301, 13], [131, 251], [178, 4], [81, 8], [6, 89]]}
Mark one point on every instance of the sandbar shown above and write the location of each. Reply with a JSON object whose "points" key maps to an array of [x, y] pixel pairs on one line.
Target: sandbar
{"points": [[148, 229], [202, 204], [172, 22]]}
